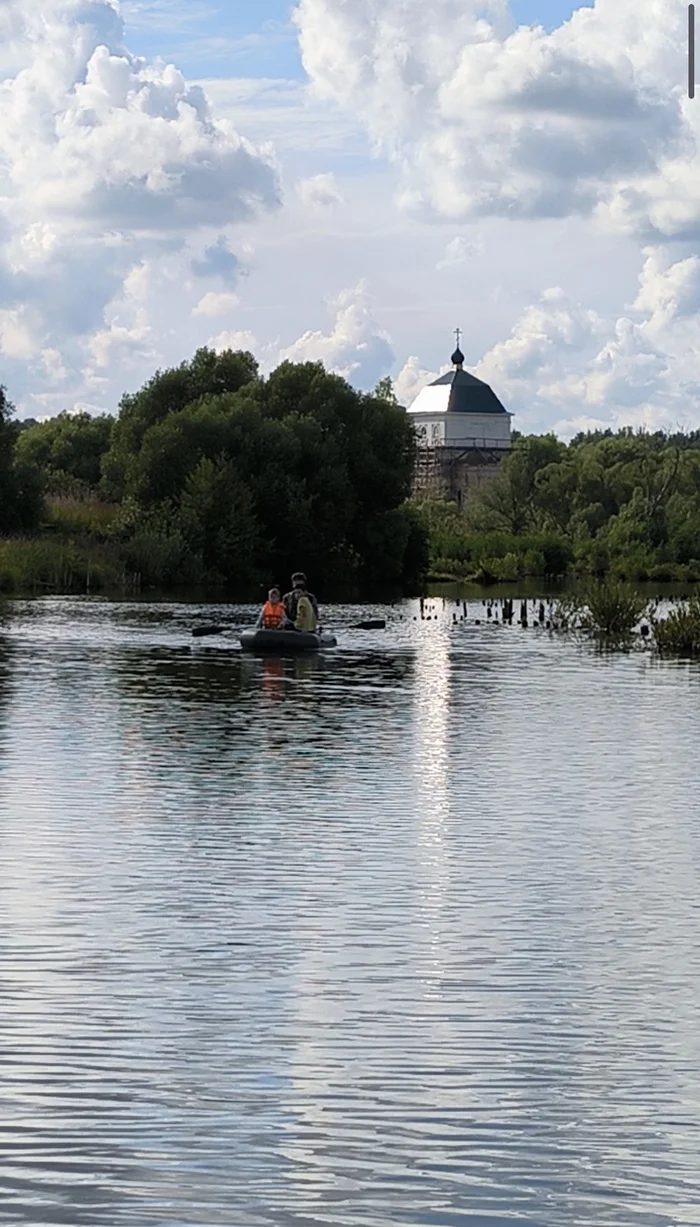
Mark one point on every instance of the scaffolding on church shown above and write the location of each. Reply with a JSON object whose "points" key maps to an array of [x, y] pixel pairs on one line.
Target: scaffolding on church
{"points": [[444, 472]]}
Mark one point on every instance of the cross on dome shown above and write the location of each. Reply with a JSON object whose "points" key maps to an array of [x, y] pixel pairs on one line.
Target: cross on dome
{"points": [[458, 357]]}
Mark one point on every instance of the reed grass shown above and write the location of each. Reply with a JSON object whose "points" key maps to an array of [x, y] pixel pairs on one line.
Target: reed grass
{"points": [[608, 608], [80, 516], [678, 633], [35, 565]]}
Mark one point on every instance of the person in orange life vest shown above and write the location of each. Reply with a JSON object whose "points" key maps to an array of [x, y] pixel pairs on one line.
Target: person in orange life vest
{"points": [[273, 616]]}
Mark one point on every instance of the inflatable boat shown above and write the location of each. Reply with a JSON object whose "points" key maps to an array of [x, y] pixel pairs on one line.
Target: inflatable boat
{"points": [[286, 643]]}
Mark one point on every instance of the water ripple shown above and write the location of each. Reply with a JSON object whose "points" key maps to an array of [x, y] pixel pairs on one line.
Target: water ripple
{"points": [[404, 934]]}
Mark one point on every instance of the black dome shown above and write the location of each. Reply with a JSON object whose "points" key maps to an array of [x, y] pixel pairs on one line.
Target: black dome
{"points": [[468, 394], [458, 357]]}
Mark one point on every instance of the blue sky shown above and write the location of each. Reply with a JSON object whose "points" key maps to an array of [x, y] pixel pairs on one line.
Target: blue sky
{"points": [[248, 37], [348, 187], [253, 37]]}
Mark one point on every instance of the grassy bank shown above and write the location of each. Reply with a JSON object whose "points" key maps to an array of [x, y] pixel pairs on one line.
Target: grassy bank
{"points": [[47, 564], [71, 553]]}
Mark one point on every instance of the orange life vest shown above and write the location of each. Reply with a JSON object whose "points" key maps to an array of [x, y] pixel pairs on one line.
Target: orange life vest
{"points": [[273, 616]]}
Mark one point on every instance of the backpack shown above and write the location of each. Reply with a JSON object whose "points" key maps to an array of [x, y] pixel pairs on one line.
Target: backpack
{"points": [[306, 618]]}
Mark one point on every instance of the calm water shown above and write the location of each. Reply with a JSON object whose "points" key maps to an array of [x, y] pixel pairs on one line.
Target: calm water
{"points": [[408, 934]]}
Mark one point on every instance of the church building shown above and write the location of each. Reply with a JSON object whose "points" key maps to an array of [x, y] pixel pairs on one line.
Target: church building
{"points": [[463, 433]]}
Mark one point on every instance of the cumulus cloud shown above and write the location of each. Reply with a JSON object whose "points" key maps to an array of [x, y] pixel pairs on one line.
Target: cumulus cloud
{"points": [[53, 366], [114, 140], [637, 369], [124, 345], [356, 347], [458, 252], [105, 159], [483, 118], [242, 339], [18, 331], [538, 343], [411, 380], [319, 192], [215, 304]]}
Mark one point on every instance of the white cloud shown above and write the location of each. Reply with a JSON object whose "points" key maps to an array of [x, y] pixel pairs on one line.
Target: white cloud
{"points": [[411, 379], [483, 118], [18, 334], [319, 192], [125, 345], [114, 141], [637, 369], [356, 347], [107, 164], [53, 365], [244, 340], [215, 304], [538, 343], [458, 252]]}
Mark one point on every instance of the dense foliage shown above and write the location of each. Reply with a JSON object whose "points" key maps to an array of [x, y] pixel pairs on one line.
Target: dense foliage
{"points": [[212, 473], [20, 486], [624, 503], [67, 450]]}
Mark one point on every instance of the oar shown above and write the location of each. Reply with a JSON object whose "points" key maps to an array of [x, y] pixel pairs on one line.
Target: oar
{"points": [[373, 624], [200, 631]]}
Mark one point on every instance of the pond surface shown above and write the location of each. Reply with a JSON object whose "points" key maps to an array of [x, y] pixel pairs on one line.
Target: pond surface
{"points": [[404, 934]]}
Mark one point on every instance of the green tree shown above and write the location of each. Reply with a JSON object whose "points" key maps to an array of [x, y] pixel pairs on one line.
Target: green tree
{"points": [[217, 520], [20, 483], [385, 391], [169, 392], [68, 449], [319, 470], [510, 501]]}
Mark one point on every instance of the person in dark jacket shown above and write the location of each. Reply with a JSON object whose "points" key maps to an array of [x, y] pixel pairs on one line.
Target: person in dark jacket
{"points": [[291, 600]]}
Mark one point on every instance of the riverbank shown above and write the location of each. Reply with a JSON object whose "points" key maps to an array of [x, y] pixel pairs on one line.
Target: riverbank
{"points": [[61, 562], [45, 565]]}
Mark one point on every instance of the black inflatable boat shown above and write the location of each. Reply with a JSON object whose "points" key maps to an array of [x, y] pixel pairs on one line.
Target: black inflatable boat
{"points": [[284, 643]]}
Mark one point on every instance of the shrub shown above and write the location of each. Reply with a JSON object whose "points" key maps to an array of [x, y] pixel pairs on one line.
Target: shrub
{"points": [[613, 609], [162, 558], [609, 608], [506, 568], [557, 555], [668, 573], [679, 631]]}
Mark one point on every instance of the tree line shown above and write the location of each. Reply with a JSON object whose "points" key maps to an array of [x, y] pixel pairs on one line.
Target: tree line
{"points": [[212, 473], [624, 502]]}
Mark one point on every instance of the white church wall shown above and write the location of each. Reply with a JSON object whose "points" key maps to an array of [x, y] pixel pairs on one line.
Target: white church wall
{"points": [[480, 429], [483, 430]]}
